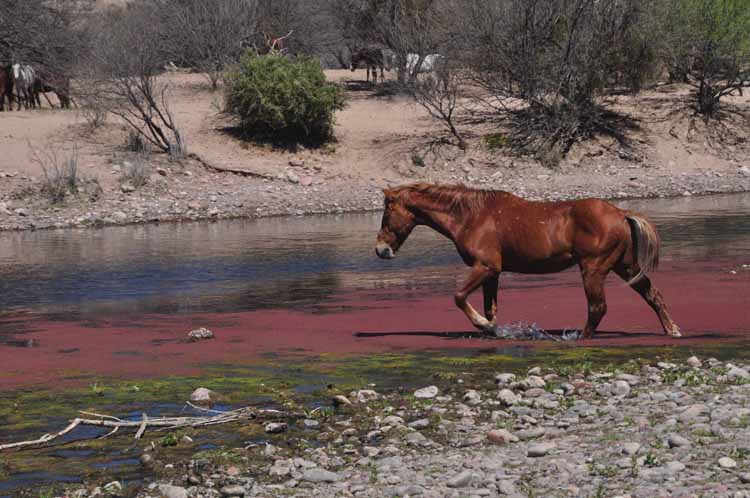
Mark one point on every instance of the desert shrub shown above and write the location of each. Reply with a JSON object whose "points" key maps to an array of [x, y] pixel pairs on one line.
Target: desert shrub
{"points": [[60, 170], [277, 97], [137, 170]]}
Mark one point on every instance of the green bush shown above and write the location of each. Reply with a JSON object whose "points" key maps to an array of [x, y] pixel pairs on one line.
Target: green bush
{"points": [[279, 98]]}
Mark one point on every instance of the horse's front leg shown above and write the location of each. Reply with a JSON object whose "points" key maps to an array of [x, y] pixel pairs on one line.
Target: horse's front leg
{"points": [[478, 276]]}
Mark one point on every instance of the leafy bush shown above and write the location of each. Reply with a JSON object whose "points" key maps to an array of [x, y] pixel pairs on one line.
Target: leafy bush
{"points": [[276, 97]]}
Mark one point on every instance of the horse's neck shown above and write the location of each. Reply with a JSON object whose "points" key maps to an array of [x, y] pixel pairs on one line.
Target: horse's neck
{"points": [[444, 222]]}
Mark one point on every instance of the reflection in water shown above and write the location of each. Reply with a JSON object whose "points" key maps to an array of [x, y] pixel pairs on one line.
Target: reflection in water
{"points": [[282, 262]]}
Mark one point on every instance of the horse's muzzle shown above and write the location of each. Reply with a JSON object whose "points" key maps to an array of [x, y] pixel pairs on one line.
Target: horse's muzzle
{"points": [[384, 251]]}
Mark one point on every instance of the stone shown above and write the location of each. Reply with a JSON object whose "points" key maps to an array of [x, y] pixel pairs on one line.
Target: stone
{"points": [[621, 389], [460, 480], [311, 424], [422, 423], [744, 477], [169, 491], [504, 378], [727, 463], [426, 392], [393, 420], [366, 395], [127, 188], [233, 490], [320, 475], [674, 467], [631, 449], [539, 450], [692, 412], [737, 373], [370, 451], [677, 441], [501, 437], [118, 216], [744, 171], [535, 381], [202, 395], [340, 400], [535, 371], [281, 468], [292, 177], [694, 362], [306, 181], [472, 398], [200, 334], [508, 397], [146, 459], [416, 439], [114, 486], [275, 427]]}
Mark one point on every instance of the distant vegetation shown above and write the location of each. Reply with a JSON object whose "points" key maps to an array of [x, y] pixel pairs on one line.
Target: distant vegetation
{"points": [[277, 98], [541, 66]]}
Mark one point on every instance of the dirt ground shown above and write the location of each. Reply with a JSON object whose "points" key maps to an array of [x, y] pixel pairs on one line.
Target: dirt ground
{"points": [[381, 140]]}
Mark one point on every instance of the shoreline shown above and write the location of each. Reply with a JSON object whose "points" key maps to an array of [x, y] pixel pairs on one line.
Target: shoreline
{"points": [[259, 198]]}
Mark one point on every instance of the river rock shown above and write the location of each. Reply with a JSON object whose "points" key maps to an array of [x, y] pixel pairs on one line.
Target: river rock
{"points": [[501, 437], [127, 188], [621, 389], [169, 491], [472, 398], [631, 449], [200, 334], [233, 490], [727, 463], [275, 427], [694, 362], [460, 480], [202, 395], [737, 373], [340, 400], [677, 441], [420, 424], [366, 395], [504, 379], [692, 412], [320, 475], [539, 450], [426, 392], [508, 397]]}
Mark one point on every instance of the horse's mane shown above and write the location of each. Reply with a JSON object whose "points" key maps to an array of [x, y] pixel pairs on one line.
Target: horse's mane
{"points": [[454, 198]]}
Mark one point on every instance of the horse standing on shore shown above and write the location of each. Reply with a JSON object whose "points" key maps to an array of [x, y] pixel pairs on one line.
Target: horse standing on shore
{"points": [[495, 231], [23, 77], [373, 59], [6, 87]]}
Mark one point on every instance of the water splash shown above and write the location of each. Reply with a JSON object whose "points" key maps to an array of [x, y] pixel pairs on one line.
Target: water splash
{"points": [[522, 331]]}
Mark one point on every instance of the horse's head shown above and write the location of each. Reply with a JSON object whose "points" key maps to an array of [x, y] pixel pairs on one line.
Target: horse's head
{"points": [[16, 71], [397, 224]]}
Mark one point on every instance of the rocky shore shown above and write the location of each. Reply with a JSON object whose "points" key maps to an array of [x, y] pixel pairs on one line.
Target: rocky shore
{"points": [[635, 430], [192, 191]]}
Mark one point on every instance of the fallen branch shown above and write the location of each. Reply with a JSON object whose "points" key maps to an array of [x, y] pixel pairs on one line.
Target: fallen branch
{"points": [[146, 422], [229, 169]]}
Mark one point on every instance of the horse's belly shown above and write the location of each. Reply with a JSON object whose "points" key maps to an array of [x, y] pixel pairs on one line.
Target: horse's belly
{"points": [[553, 264]]}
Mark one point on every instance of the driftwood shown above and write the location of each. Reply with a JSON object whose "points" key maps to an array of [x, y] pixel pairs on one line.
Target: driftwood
{"points": [[212, 417], [229, 169]]}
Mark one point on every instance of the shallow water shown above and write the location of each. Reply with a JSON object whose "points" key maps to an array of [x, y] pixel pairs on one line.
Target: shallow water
{"points": [[278, 263]]}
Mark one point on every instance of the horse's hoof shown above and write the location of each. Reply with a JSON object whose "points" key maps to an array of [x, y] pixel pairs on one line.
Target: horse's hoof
{"points": [[490, 330], [675, 332]]}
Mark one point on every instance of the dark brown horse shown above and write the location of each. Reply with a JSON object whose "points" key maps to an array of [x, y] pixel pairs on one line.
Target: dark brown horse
{"points": [[6, 87], [495, 231]]}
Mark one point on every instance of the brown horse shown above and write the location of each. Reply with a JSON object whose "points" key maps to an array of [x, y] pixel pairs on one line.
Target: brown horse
{"points": [[495, 231]]}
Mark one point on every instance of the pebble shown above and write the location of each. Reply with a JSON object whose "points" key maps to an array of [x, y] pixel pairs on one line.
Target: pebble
{"points": [[233, 490], [202, 395], [340, 400], [501, 437], [727, 463], [677, 441], [320, 475], [694, 362], [426, 392], [460, 480], [169, 491], [539, 450], [200, 334], [275, 427]]}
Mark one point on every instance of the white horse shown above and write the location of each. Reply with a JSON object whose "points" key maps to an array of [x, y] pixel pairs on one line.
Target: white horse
{"points": [[23, 77], [429, 63]]}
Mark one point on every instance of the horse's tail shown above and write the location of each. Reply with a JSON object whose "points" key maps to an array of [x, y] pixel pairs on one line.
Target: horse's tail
{"points": [[646, 244]]}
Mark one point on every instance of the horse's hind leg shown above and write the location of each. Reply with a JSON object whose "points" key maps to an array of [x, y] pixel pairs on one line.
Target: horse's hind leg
{"points": [[489, 288], [651, 295], [593, 284]]}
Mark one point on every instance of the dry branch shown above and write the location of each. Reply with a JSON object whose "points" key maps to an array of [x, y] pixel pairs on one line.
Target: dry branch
{"points": [[161, 423]]}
